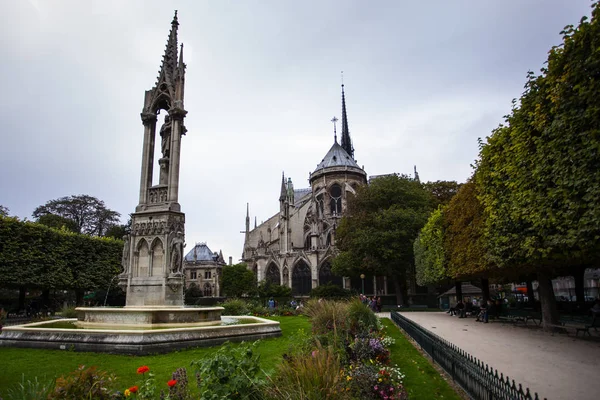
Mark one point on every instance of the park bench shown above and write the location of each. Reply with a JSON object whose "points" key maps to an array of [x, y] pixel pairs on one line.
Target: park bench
{"points": [[579, 324]]}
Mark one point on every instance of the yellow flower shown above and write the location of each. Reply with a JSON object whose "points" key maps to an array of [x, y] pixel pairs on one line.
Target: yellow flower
{"points": [[127, 393], [348, 378], [379, 379]]}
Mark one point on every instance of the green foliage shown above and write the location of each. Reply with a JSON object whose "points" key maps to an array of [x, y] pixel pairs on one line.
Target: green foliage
{"points": [[231, 373], [328, 316], [430, 259], [68, 312], [267, 290], [89, 214], [331, 291], [361, 318], [238, 280], [4, 211], [538, 175], [442, 191], [85, 383], [313, 375], [192, 294], [464, 241], [34, 255], [30, 390], [58, 222], [377, 233], [235, 307]]}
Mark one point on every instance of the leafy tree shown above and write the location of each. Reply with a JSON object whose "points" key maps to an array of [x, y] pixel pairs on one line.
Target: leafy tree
{"points": [[464, 242], [118, 231], [4, 211], [33, 255], [442, 191], [58, 222], [377, 233], [238, 280], [331, 291], [192, 294], [89, 214], [430, 258], [538, 174], [266, 290]]}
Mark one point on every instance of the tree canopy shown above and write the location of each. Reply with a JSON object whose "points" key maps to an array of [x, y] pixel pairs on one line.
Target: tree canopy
{"points": [[377, 232], [442, 191], [4, 211], [237, 281], [89, 214], [33, 255], [538, 174], [430, 259]]}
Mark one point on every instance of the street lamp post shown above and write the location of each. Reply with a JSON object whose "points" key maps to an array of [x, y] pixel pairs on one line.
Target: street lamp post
{"points": [[362, 277]]}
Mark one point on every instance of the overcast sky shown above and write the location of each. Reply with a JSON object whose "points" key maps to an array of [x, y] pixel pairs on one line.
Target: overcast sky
{"points": [[423, 79]]}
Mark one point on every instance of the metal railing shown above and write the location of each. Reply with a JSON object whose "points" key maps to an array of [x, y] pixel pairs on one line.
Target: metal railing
{"points": [[477, 379]]}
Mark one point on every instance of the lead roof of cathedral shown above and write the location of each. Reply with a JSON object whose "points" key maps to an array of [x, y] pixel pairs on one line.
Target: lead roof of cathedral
{"points": [[337, 157]]}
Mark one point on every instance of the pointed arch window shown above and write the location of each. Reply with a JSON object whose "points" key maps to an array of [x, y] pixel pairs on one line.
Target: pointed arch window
{"points": [[207, 290], [335, 202], [301, 279], [326, 277], [273, 274], [286, 277]]}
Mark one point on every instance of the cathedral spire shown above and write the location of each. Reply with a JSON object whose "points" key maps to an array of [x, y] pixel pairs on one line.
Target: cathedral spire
{"points": [[247, 217], [346, 141], [169, 61], [283, 194]]}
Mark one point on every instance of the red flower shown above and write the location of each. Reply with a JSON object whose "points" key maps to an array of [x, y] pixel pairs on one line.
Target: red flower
{"points": [[133, 389], [172, 383], [143, 369]]}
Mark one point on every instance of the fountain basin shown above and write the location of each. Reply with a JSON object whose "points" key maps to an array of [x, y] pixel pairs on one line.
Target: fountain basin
{"points": [[148, 316], [121, 340]]}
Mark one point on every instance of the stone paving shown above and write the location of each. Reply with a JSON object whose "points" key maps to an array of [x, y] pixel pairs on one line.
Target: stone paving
{"points": [[558, 367]]}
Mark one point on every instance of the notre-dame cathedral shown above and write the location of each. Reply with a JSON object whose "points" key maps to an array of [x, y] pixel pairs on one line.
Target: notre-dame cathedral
{"points": [[295, 247]]}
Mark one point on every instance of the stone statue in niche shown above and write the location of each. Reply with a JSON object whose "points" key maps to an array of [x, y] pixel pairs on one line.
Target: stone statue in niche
{"points": [[176, 251], [165, 134]]}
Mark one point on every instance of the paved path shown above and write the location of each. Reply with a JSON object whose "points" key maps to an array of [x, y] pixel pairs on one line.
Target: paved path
{"points": [[558, 367]]}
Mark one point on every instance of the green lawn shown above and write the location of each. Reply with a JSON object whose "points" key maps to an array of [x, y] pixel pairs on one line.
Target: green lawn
{"points": [[422, 380]]}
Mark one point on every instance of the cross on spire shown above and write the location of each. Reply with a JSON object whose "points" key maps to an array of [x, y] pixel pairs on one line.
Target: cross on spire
{"points": [[334, 120]]}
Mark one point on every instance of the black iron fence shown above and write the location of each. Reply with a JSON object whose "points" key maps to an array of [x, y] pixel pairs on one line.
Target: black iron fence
{"points": [[477, 379]]}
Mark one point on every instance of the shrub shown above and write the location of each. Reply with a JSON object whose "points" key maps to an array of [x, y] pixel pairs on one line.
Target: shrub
{"points": [[68, 312], [361, 318], [314, 376], [331, 291], [231, 373], [29, 390], [85, 383], [328, 316], [235, 307]]}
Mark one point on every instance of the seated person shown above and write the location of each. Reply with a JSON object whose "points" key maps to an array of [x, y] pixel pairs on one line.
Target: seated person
{"points": [[469, 308], [482, 312], [595, 310], [460, 309]]}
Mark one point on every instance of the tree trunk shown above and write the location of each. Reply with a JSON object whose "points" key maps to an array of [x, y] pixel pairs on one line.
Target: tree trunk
{"points": [[398, 289], [485, 288], [547, 300], [79, 297], [45, 299], [22, 291], [458, 286], [578, 273], [530, 294]]}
